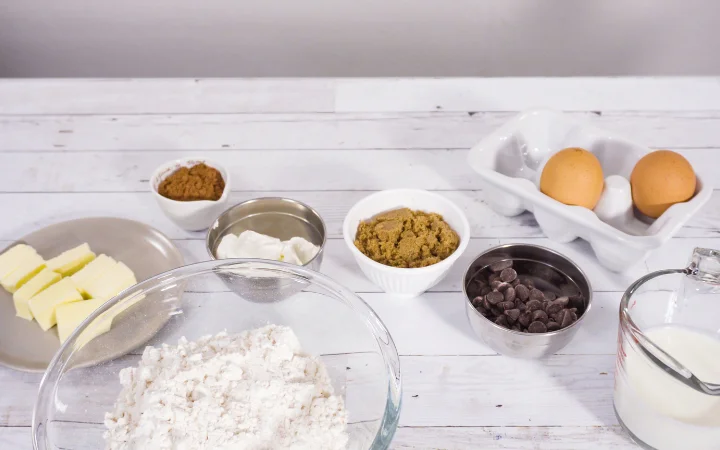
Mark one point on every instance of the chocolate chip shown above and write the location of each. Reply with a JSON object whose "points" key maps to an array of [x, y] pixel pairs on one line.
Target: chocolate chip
{"points": [[577, 302], [524, 319], [533, 305], [554, 307], [508, 275], [499, 266], [506, 305], [537, 327], [568, 318], [510, 294], [562, 301], [502, 321], [495, 297], [539, 316], [522, 292], [507, 295], [512, 315]]}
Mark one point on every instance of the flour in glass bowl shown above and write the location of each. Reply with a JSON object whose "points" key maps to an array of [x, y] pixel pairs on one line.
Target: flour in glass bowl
{"points": [[251, 391]]}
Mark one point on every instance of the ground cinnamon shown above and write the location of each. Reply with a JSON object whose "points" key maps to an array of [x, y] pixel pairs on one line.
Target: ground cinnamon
{"points": [[199, 182]]}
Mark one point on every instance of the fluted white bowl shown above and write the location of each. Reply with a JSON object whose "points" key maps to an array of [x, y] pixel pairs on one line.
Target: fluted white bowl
{"points": [[401, 281]]}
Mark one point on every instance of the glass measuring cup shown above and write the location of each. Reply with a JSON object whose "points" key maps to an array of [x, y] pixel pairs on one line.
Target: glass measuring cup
{"points": [[667, 379]]}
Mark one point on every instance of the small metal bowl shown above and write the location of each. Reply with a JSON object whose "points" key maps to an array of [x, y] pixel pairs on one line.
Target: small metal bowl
{"points": [[282, 218], [514, 343]]}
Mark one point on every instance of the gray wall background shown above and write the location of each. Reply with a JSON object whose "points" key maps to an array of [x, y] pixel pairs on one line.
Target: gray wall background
{"points": [[216, 38]]}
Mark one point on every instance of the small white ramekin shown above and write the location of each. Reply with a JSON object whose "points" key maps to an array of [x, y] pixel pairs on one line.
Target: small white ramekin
{"points": [[403, 282], [194, 215]]}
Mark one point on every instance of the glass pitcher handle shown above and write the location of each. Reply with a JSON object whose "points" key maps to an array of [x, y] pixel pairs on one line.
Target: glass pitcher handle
{"points": [[705, 266], [682, 375], [702, 267]]}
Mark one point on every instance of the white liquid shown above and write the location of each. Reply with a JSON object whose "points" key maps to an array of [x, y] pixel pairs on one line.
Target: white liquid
{"points": [[661, 411]]}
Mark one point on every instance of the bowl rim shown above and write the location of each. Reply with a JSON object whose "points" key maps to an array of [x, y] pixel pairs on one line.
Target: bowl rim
{"points": [[156, 176], [468, 302], [321, 247], [464, 234], [388, 423]]}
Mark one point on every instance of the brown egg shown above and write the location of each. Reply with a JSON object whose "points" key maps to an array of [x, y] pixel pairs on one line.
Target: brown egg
{"points": [[659, 180], [573, 176]]}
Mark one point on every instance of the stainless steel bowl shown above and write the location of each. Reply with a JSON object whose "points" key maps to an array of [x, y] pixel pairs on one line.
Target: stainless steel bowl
{"points": [[515, 343], [282, 218]]}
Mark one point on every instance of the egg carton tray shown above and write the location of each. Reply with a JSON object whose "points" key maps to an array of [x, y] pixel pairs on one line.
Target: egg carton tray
{"points": [[510, 161]]}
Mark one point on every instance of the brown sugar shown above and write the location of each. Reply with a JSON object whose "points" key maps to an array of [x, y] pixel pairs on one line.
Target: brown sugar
{"points": [[406, 238], [199, 182]]}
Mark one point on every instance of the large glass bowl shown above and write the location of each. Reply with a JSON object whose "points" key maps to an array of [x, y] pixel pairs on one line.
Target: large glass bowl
{"points": [[331, 322]]}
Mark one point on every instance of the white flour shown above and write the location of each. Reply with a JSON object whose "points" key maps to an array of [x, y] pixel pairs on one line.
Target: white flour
{"points": [[256, 390]]}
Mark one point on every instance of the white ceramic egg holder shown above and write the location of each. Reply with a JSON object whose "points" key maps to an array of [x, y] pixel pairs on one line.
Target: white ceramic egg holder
{"points": [[510, 162]]}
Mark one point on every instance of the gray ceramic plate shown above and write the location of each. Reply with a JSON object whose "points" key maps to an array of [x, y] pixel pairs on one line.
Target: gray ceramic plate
{"points": [[23, 344]]}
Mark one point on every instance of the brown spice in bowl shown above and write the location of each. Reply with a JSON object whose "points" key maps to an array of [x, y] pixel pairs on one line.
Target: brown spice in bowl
{"points": [[199, 182], [406, 238]]}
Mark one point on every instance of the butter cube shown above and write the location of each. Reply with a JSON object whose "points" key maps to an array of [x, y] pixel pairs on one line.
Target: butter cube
{"points": [[11, 259], [29, 266], [94, 270], [119, 278], [37, 284], [69, 262], [43, 306], [71, 315]]}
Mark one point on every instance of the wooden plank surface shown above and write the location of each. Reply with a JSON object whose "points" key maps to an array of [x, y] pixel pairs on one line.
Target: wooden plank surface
{"points": [[258, 170], [514, 94], [124, 96], [78, 148], [312, 131], [38, 209], [441, 438]]}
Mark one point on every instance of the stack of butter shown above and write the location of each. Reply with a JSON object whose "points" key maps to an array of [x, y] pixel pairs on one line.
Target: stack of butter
{"points": [[64, 290]]}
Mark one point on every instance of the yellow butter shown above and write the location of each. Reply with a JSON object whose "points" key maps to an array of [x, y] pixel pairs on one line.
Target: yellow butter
{"points": [[11, 259], [94, 270], [30, 265], [71, 315], [69, 262], [37, 284], [43, 306], [119, 278]]}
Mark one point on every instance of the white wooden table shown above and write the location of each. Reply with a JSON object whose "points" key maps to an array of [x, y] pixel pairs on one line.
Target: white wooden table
{"points": [[77, 148]]}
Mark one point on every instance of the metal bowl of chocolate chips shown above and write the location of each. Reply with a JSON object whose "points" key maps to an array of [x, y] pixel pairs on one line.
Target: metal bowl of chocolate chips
{"points": [[524, 300]]}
